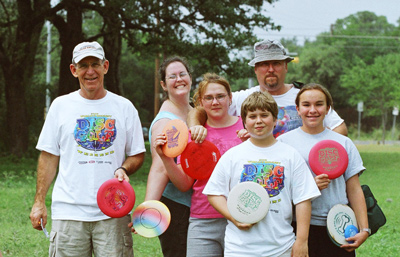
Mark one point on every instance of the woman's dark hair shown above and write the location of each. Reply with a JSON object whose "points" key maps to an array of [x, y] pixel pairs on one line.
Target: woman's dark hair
{"points": [[168, 61]]}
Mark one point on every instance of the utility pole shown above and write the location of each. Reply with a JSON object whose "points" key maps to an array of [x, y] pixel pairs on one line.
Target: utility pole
{"points": [[360, 109], [395, 113], [48, 68], [156, 86], [156, 78]]}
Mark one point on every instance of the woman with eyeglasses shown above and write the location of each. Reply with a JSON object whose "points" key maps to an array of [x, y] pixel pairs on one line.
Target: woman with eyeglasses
{"points": [[206, 225], [176, 81]]}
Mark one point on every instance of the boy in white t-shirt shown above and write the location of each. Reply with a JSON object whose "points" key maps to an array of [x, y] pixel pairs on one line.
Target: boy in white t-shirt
{"points": [[281, 170]]}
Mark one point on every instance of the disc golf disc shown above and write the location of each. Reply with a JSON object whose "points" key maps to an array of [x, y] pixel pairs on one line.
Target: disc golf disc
{"points": [[328, 157], [350, 231], [198, 160], [177, 134], [339, 217], [151, 218], [248, 202], [115, 198]]}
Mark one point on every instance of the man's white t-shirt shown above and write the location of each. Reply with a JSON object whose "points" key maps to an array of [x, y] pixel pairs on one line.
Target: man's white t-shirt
{"points": [[92, 138], [288, 118]]}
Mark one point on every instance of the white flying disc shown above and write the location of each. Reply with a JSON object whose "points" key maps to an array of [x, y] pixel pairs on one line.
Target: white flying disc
{"points": [[248, 202], [339, 217]]}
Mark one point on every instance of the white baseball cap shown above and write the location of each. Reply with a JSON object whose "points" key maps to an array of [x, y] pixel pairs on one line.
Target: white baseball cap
{"points": [[86, 49]]}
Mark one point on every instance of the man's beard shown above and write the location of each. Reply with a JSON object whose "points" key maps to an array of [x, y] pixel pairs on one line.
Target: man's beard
{"points": [[271, 85]]}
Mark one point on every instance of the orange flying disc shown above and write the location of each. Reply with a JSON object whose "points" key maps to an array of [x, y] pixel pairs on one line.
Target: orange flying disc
{"points": [[177, 134]]}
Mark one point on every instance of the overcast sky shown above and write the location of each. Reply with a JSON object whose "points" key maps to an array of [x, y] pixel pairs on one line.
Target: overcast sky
{"points": [[307, 18]]}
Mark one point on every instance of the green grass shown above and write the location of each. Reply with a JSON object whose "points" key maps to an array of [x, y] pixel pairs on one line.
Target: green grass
{"points": [[17, 190], [382, 175]]}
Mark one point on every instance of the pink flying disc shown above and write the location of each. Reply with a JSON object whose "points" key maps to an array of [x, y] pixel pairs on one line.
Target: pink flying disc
{"points": [[328, 157], [151, 218], [116, 198], [198, 160], [177, 134]]}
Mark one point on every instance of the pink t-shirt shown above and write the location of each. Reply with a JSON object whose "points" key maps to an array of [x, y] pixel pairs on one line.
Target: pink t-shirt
{"points": [[224, 139]]}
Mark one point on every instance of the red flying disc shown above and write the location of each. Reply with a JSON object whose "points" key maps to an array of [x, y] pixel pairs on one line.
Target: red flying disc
{"points": [[115, 198], [328, 157], [177, 134], [199, 160]]}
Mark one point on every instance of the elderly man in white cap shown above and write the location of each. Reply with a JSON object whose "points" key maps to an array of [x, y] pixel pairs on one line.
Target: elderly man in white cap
{"points": [[270, 66], [91, 135]]}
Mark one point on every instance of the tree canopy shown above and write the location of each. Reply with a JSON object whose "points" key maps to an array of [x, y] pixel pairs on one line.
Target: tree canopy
{"points": [[203, 30], [377, 85]]}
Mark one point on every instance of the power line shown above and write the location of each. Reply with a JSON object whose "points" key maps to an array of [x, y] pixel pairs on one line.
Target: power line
{"points": [[332, 36]]}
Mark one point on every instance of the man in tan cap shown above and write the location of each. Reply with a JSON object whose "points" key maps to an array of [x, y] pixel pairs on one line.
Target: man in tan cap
{"points": [[91, 135], [270, 66]]}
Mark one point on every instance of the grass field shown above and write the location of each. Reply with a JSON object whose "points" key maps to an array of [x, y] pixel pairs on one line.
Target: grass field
{"points": [[17, 190]]}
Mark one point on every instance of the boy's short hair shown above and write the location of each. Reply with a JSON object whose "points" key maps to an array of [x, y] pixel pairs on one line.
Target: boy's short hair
{"points": [[259, 100]]}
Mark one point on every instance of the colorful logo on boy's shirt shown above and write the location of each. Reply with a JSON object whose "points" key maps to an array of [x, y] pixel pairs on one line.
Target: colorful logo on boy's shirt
{"points": [[270, 175], [94, 132], [288, 119]]}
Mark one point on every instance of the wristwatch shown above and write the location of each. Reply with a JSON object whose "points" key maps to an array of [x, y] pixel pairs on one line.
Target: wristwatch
{"points": [[368, 230]]}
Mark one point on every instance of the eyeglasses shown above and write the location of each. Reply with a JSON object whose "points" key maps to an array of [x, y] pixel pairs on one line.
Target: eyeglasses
{"points": [[210, 98], [182, 75]]}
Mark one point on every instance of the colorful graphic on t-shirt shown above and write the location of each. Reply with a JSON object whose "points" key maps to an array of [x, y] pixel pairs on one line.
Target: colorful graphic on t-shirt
{"points": [[270, 175], [288, 119], [94, 132]]}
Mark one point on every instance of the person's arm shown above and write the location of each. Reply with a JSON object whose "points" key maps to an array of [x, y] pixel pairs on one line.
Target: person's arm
{"points": [[334, 122], [131, 165], [341, 129], [46, 172], [175, 172], [220, 204], [303, 217], [196, 119], [158, 178], [197, 116], [357, 203]]}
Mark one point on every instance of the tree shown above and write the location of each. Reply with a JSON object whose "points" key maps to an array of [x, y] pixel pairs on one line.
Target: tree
{"points": [[363, 35], [69, 25], [20, 26], [366, 35], [323, 64], [204, 31], [377, 85]]}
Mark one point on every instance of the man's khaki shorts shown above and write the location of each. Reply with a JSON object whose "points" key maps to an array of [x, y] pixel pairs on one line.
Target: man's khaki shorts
{"points": [[111, 237]]}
